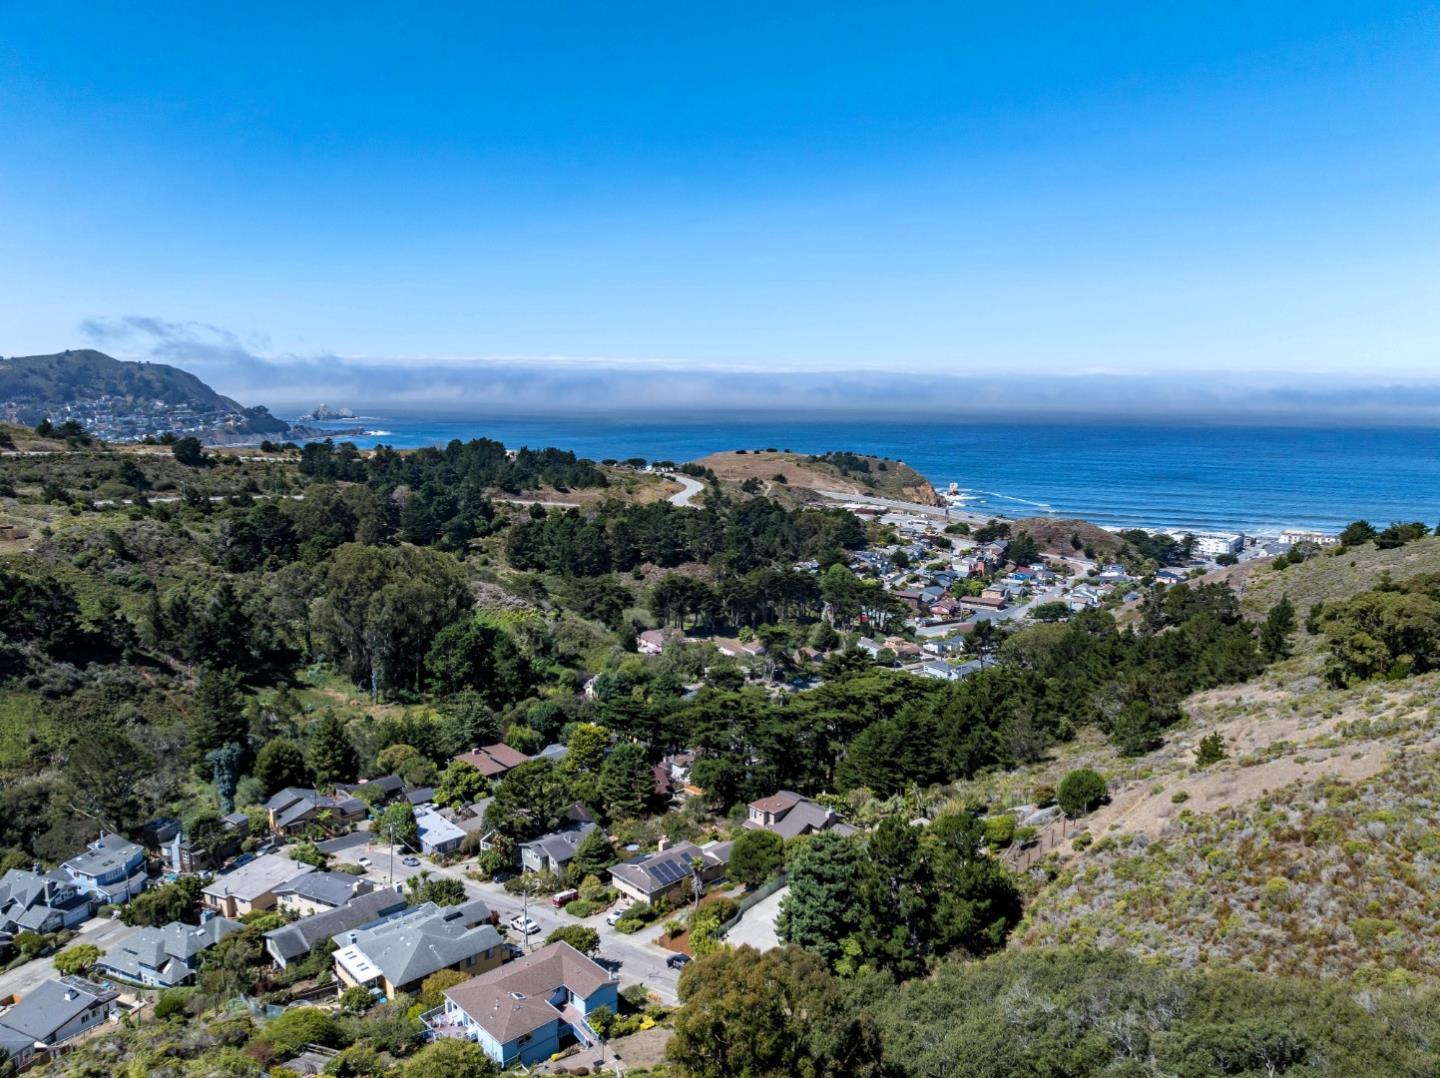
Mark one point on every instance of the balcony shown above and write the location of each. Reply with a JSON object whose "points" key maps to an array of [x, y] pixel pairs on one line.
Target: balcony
{"points": [[439, 1023]]}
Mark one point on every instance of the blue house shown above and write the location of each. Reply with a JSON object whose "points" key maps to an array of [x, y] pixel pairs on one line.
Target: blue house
{"points": [[527, 1010], [111, 870]]}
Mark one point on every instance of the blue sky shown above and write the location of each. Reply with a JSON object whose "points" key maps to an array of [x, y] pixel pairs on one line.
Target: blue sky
{"points": [[1147, 189]]}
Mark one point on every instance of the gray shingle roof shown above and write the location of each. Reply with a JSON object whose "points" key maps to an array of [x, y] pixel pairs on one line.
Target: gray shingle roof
{"points": [[415, 945], [327, 888], [108, 853], [559, 846], [168, 949], [53, 1003], [299, 937], [252, 880]]}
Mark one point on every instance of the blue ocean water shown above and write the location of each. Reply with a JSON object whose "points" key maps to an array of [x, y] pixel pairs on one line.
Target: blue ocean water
{"points": [[1253, 479]]}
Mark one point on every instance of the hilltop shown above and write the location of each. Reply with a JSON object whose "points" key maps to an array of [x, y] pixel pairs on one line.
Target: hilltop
{"points": [[806, 474], [120, 399]]}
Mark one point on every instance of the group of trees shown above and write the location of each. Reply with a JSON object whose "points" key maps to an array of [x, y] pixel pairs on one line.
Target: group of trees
{"points": [[1391, 631], [899, 899], [735, 536], [1073, 1012]]}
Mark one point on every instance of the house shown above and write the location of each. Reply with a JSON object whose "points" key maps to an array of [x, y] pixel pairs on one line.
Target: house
{"points": [[945, 672], [672, 775], [420, 795], [735, 648], [294, 941], [911, 597], [990, 600], [789, 814], [437, 834], [524, 1012], [53, 1012], [111, 870], [165, 957], [315, 892], [668, 873], [653, 641], [166, 838], [396, 954], [379, 791], [293, 809], [493, 761], [552, 852], [35, 901], [251, 886]]}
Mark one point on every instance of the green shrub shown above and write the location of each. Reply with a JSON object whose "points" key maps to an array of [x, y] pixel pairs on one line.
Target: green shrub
{"points": [[1080, 792]]}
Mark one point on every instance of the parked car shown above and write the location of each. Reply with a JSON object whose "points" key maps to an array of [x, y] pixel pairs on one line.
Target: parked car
{"points": [[410, 862], [613, 916], [364, 862], [559, 900], [524, 925], [677, 961]]}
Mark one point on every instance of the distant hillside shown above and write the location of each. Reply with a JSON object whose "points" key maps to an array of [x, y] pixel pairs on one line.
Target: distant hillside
{"points": [[847, 473], [1055, 536], [117, 398]]}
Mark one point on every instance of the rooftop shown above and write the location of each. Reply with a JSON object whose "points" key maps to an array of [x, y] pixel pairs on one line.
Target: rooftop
{"points": [[514, 1000]]}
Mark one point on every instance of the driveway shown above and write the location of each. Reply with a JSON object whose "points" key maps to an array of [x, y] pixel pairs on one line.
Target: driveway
{"points": [[103, 932], [757, 926]]}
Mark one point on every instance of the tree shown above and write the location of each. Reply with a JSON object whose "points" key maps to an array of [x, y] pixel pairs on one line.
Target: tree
{"points": [[299, 1026], [1211, 750], [432, 988], [1357, 533], [530, 802], [376, 610], [1276, 629], [1080, 792], [280, 763], [584, 939], [469, 655], [189, 452], [825, 905], [330, 753], [219, 710], [397, 826], [441, 890], [626, 782], [77, 959], [461, 783], [158, 906], [449, 1057], [770, 1014], [594, 854], [755, 857], [586, 748], [392, 758]]}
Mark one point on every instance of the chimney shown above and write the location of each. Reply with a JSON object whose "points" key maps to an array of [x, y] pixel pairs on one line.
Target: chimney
{"points": [[664, 844]]}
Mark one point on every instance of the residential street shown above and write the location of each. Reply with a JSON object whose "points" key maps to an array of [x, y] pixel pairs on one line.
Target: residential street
{"points": [[636, 958], [103, 932]]}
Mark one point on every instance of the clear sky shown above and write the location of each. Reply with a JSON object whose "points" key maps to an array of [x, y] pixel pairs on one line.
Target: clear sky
{"points": [[1149, 188]]}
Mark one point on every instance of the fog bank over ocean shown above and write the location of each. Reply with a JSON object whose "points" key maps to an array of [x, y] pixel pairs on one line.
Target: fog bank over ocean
{"points": [[970, 388]]}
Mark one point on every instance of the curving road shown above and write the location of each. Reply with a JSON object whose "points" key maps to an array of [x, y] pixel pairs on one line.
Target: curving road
{"points": [[692, 488]]}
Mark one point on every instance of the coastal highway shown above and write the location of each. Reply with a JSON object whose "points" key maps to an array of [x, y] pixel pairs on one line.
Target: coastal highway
{"points": [[940, 512]]}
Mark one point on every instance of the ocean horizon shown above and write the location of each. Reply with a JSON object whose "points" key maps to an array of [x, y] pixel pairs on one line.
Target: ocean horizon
{"points": [[1252, 479]]}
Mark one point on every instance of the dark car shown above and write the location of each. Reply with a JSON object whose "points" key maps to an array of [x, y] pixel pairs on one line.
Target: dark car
{"points": [[677, 961]]}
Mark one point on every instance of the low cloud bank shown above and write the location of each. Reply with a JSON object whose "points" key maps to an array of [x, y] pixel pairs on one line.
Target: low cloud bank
{"points": [[537, 385]]}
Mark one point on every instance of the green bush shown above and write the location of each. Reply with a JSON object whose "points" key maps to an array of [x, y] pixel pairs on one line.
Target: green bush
{"points": [[1080, 792]]}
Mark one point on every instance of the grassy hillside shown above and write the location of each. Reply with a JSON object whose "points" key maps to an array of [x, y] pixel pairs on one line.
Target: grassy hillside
{"points": [[1325, 878], [1058, 536], [85, 373], [1332, 576], [849, 473]]}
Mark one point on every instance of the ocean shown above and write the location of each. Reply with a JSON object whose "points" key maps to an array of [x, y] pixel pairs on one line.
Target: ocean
{"points": [[1258, 480]]}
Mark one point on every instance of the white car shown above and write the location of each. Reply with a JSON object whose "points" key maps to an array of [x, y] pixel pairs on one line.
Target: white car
{"points": [[524, 925], [613, 916], [363, 862]]}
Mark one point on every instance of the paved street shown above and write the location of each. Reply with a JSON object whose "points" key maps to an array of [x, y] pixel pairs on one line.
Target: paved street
{"points": [[103, 932], [636, 958]]}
